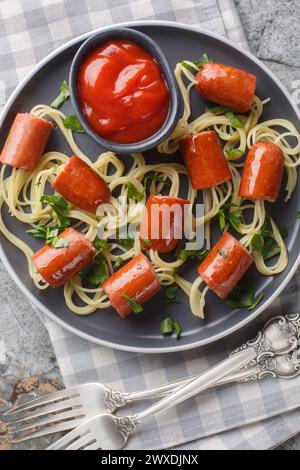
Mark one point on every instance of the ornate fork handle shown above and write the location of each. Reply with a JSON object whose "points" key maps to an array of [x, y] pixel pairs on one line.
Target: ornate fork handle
{"points": [[279, 337]]}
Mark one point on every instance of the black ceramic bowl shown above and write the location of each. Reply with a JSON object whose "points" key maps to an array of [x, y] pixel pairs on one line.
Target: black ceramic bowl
{"points": [[154, 50]]}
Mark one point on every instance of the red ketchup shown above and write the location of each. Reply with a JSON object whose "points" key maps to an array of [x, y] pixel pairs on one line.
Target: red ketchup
{"points": [[122, 92]]}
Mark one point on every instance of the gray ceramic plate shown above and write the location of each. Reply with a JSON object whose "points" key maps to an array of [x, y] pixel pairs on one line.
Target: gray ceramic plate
{"points": [[141, 332]]}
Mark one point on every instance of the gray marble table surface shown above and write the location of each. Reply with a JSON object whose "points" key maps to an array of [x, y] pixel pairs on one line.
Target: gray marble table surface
{"points": [[27, 360]]}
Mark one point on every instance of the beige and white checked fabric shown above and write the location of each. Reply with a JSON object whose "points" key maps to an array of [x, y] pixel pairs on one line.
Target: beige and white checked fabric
{"points": [[256, 415]]}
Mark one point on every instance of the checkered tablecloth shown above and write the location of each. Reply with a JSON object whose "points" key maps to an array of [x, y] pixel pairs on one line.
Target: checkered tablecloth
{"points": [[256, 415]]}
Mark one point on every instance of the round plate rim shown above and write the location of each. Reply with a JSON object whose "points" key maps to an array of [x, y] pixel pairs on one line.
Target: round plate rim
{"points": [[34, 300]]}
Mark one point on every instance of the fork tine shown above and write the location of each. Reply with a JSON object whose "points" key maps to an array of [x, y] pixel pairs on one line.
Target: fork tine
{"points": [[53, 408], [82, 441], [49, 409], [51, 397], [46, 421], [93, 446], [60, 427], [65, 440]]}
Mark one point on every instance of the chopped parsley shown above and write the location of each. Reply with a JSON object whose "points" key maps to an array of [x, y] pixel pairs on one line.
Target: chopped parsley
{"points": [[233, 152], [127, 242], [168, 327], [49, 233], [102, 244], [60, 206], [170, 294], [222, 253], [60, 242], [234, 120], [63, 95], [72, 122], [184, 254], [96, 272], [155, 178], [198, 63], [264, 241], [118, 262], [228, 216], [133, 193], [136, 308], [243, 296]]}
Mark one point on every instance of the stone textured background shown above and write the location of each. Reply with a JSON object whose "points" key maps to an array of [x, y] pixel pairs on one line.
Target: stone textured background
{"points": [[27, 360]]}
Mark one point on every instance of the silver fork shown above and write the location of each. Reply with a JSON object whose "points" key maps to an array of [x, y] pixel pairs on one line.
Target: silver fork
{"points": [[67, 409], [109, 432], [71, 407]]}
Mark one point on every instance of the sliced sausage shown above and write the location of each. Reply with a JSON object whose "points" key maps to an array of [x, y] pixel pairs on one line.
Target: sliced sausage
{"points": [[227, 86], [57, 265], [205, 161], [26, 141], [262, 173], [136, 279], [80, 185], [225, 265], [162, 225]]}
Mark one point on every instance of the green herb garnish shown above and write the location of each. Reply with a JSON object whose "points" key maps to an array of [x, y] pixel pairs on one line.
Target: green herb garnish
{"points": [[60, 242], [216, 110], [46, 232], [170, 294], [127, 242], [298, 215], [227, 216], [133, 193], [192, 254], [198, 63], [264, 241], [96, 273], [40, 230], [204, 60], [222, 253], [222, 219], [72, 122], [168, 327], [136, 308], [243, 296], [270, 249], [118, 262], [102, 244], [233, 152], [257, 242], [156, 178], [60, 206], [234, 120], [63, 96], [50, 234]]}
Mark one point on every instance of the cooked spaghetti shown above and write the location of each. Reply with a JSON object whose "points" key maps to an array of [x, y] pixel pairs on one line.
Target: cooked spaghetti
{"points": [[21, 192]]}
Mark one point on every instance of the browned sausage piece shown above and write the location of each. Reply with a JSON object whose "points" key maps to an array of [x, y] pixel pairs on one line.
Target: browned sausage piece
{"points": [[262, 173], [227, 86], [58, 265], [205, 161], [80, 185], [26, 141], [225, 265]]}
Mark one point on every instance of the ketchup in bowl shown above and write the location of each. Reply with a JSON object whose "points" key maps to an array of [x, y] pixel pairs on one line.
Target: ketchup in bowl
{"points": [[122, 92]]}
